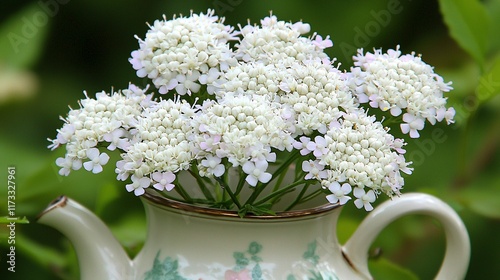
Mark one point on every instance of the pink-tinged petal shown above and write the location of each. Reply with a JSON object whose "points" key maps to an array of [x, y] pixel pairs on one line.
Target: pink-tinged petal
{"points": [[97, 169], [305, 152], [414, 133], [88, 165], [169, 176], [157, 176], [358, 203], [159, 186], [169, 187], [332, 198], [368, 207], [139, 191], [405, 128]]}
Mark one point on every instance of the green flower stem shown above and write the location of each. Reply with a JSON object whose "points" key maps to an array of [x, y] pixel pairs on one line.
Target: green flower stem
{"points": [[280, 180], [279, 192], [299, 197], [229, 191], [206, 192], [179, 189], [283, 167], [312, 195], [241, 182]]}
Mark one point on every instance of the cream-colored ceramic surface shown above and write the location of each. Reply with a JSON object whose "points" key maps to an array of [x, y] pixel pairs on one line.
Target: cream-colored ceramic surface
{"points": [[100, 256], [191, 245]]}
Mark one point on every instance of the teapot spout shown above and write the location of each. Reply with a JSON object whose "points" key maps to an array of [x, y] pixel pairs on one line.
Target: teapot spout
{"points": [[100, 255]]}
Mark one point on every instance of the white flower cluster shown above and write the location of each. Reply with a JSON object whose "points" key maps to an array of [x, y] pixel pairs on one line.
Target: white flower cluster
{"points": [[242, 129], [395, 82], [356, 151], [311, 94], [107, 118], [184, 52], [279, 42], [276, 94], [161, 147]]}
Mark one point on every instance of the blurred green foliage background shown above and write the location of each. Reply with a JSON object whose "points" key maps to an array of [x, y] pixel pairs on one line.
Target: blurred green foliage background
{"points": [[50, 51]]}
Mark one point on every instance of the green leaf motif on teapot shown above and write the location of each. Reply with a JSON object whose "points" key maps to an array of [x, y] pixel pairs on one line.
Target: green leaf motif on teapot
{"points": [[164, 270]]}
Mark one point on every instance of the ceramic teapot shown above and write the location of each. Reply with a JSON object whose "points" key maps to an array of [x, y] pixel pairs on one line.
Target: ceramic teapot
{"points": [[190, 242]]}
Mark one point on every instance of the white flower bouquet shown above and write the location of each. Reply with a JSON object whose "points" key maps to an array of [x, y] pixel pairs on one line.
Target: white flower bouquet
{"points": [[240, 110]]}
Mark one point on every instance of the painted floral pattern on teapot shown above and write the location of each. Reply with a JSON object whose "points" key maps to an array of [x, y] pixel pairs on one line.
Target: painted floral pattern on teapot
{"points": [[248, 266]]}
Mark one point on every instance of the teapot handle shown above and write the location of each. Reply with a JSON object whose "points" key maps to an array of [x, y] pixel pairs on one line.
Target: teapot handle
{"points": [[456, 259]]}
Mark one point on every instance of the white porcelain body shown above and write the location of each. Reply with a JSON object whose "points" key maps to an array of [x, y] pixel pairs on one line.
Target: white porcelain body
{"points": [[211, 247], [186, 244]]}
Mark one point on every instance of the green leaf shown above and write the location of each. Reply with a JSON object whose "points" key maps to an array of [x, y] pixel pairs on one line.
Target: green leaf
{"points": [[23, 35], [493, 8], [256, 210], [17, 220], [107, 194], [44, 256], [382, 268], [131, 232], [469, 24], [489, 83], [483, 200]]}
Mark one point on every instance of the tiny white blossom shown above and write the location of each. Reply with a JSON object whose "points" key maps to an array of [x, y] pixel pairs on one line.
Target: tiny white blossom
{"points": [[176, 53], [164, 180], [314, 170], [213, 165], [364, 199], [138, 185], [412, 126], [256, 172], [67, 164], [305, 145], [322, 44], [401, 84], [339, 193], [97, 160], [116, 139]]}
